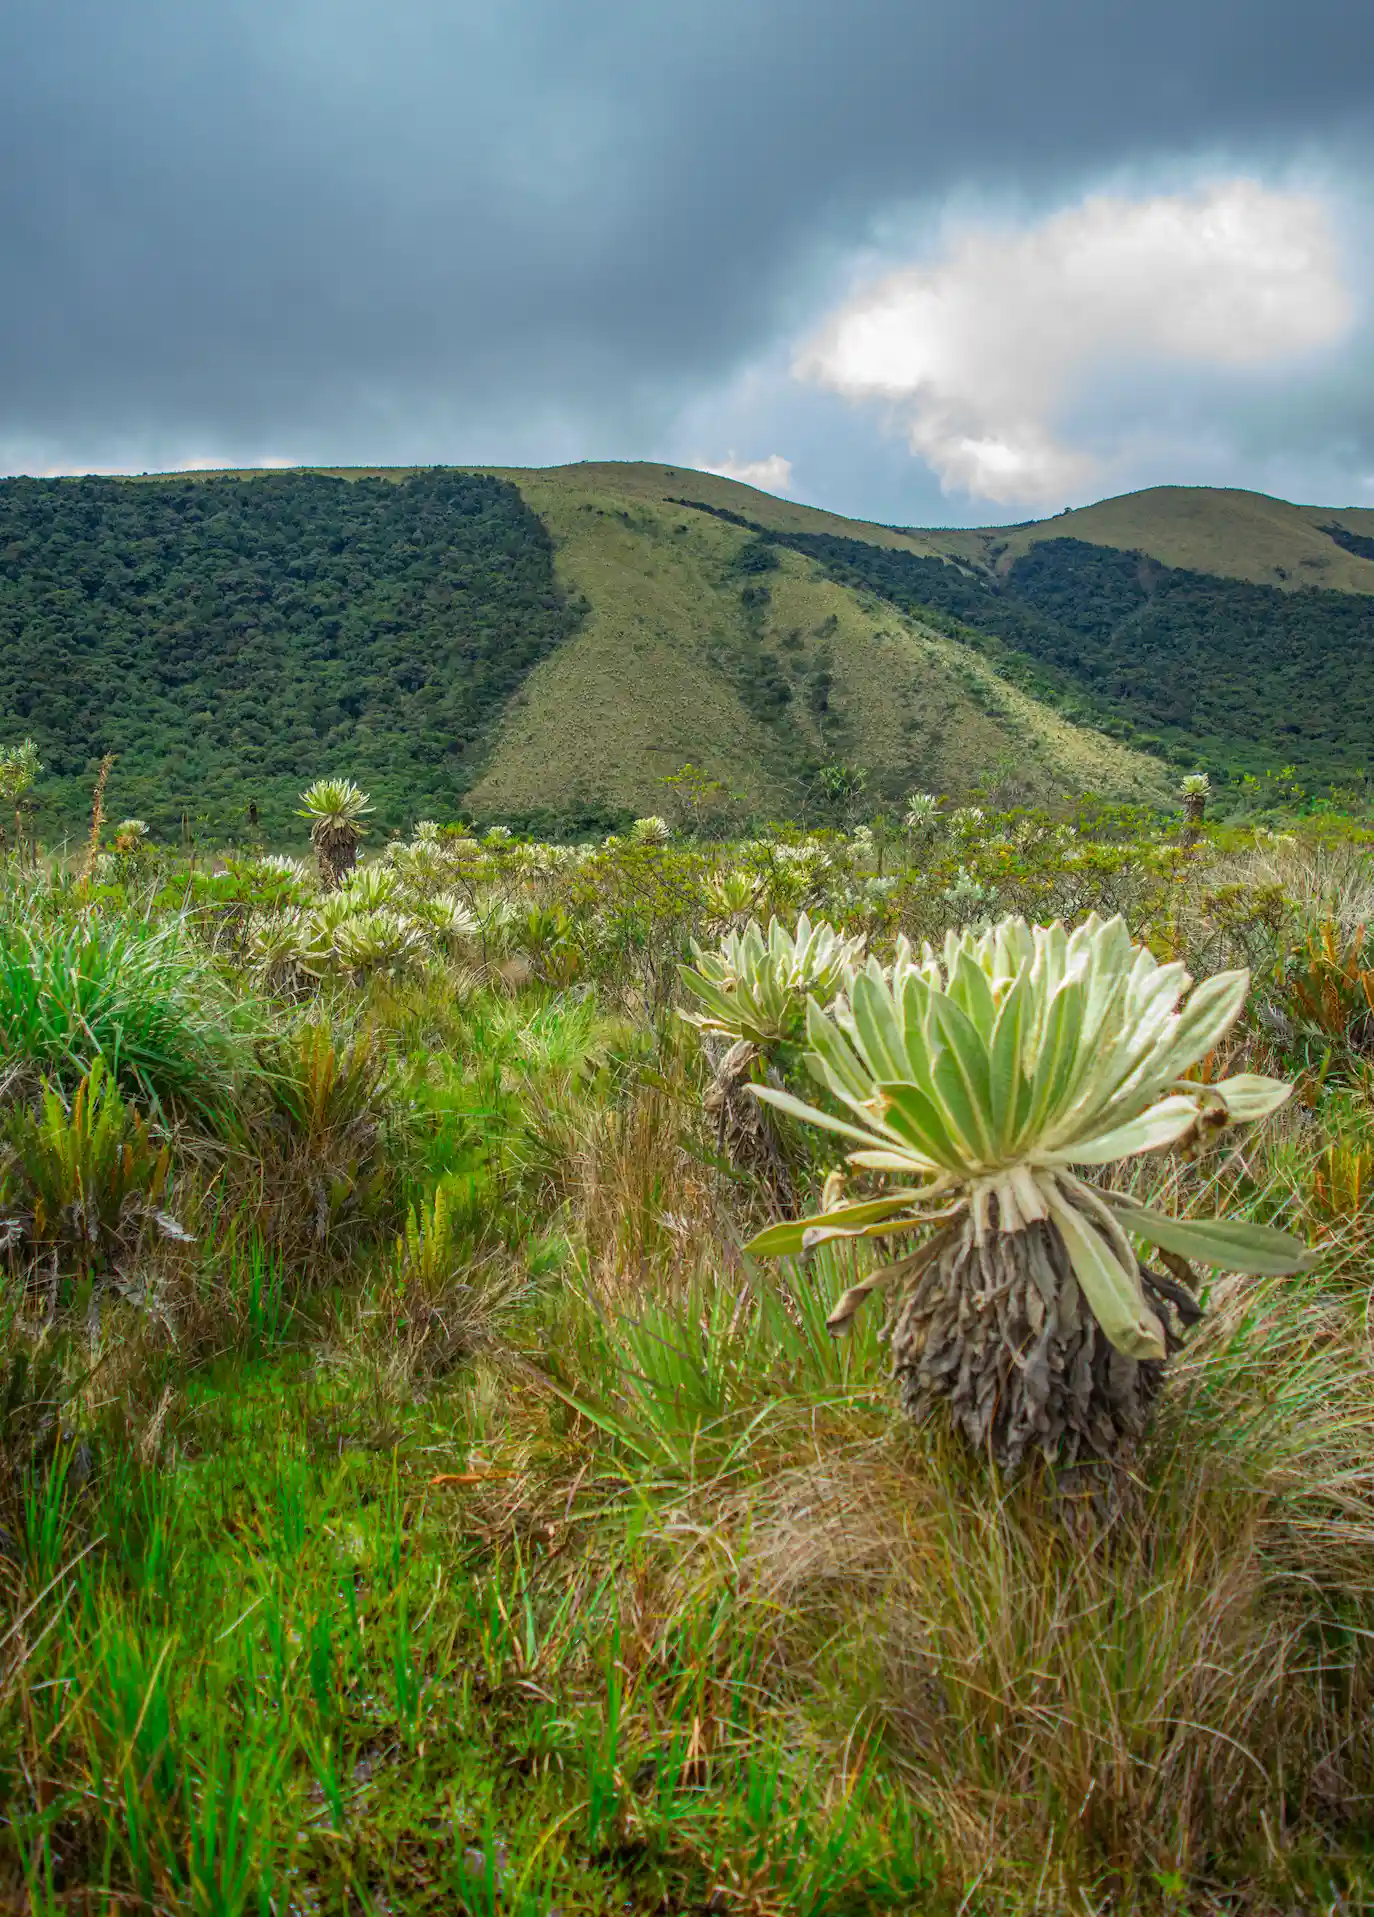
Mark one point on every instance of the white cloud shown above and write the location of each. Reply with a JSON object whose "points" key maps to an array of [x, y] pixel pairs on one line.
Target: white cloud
{"points": [[983, 349], [770, 475]]}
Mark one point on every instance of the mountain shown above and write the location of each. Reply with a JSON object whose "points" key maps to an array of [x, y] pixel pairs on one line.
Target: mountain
{"points": [[1215, 624], [707, 638], [1207, 626], [1202, 529], [544, 647]]}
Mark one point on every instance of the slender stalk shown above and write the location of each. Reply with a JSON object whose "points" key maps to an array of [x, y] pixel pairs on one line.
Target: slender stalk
{"points": [[97, 818]]}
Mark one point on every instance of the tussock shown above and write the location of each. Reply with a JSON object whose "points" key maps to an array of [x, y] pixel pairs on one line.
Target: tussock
{"points": [[452, 1514]]}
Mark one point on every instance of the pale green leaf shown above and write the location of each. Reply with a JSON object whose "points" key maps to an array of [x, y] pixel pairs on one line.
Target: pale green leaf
{"points": [[1248, 1096], [832, 1048], [1008, 1084], [1113, 1294], [1162, 1125], [810, 1114], [960, 1074], [879, 1033], [919, 1122], [1228, 1244], [1209, 1013]]}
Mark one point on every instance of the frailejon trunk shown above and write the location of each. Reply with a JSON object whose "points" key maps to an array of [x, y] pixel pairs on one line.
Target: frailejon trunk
{"points": [[745, 1132], [1002, 1334], [336, 849]]}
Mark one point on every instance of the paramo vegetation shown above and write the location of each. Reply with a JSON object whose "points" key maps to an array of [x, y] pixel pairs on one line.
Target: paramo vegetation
{"points": [[825, 1372]]}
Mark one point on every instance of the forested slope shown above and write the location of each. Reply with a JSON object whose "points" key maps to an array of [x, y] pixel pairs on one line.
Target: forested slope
{"points": [[231, 638], [1243, 675], [541, 647]]}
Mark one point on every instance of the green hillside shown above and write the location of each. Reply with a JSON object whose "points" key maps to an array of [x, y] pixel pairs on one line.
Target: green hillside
{"points": [[548, 645], [542, 646], [230, 639], [1204, 529], [1256, 662], [1242, 675], [704, 642]]}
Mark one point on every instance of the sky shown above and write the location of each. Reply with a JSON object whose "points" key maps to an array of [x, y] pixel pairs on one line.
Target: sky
{"points": [[921, 261]]}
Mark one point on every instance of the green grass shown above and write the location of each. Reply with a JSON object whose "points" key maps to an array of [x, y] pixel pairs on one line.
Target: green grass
{"points": [[133, 994], [1218, 530], [458, 1521]]}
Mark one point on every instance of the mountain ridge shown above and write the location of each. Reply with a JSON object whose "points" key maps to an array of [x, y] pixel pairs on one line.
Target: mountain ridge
{"points": [[685, 617], [1226, 531], [1229, 531]]}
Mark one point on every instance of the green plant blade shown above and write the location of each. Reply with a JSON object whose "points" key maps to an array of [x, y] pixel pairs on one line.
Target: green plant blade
{"points": [[1113, 1294], [1010, 1088], [809, 1115], [1207, 1016], [785, 1240], [960, 1074], [909, 1114], [1227, 1244], [1248, 1096], [1162, 1125]]}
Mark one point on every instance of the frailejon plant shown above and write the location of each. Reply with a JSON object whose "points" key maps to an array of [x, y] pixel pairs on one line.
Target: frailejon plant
{"points": [[755, 990], [334, 808], [757, 985], [652, 830], [730, 895], [377, 941], [1195, 790], [983, 1078]]}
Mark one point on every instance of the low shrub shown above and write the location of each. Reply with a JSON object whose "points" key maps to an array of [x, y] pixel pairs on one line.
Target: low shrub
{"points": [[326, 1151], [139, 997], [83, 1183]]}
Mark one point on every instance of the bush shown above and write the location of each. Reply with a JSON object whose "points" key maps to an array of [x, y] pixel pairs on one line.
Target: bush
{"points": [[82, 1184], [157, 1014], [329, 1149]]}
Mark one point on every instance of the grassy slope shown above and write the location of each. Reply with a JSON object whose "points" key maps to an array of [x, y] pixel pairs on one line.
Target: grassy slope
{"points": [[644, 481], [1237, 535], [653, 678], [661, 671]]}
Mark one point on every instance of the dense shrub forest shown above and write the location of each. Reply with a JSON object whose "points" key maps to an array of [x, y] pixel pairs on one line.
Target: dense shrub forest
{"points": [[1261, 671], [228, 638], [1243, 675]]}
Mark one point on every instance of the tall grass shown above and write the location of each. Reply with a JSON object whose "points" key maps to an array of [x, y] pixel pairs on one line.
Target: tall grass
{"points": [[135, 995], [462, 1523]]}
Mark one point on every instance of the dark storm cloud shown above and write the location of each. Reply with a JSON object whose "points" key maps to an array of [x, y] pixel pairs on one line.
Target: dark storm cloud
{"points": [[349, 229]]}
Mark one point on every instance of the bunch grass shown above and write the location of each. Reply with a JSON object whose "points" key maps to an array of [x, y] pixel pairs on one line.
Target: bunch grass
{"points": [[460, 1519]]}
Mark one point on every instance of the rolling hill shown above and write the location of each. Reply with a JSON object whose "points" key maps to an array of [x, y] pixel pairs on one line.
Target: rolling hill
{"points": [[543, 647], [705, 642], [1203, 529], [1204, 625], [547, 645]]}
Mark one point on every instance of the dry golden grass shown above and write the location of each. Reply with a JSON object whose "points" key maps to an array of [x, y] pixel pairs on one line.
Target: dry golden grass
{"points": [[1214, 529], [651, 679]]}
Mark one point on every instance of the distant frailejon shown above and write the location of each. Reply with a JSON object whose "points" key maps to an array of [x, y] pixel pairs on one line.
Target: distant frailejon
{"points": [[549, 646]]}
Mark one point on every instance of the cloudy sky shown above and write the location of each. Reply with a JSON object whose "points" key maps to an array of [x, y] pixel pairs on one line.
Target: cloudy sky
{"points": [[925, 261]]}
